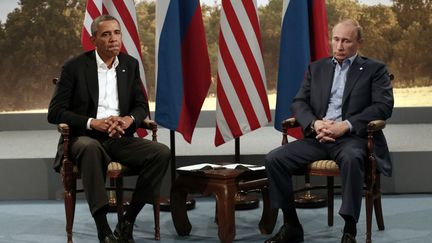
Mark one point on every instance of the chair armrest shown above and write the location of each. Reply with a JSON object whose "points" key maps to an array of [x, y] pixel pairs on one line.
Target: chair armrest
{"points": [[290, 123], [151, 125], [376, 125], [63, 129]]}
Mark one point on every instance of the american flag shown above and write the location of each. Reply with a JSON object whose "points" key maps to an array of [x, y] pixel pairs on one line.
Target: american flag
{"points": [[242, 104], [124, 12]]}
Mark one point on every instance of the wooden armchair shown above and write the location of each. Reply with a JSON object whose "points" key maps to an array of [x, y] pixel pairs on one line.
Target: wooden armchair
{"points": [[115, 173], [330, 169]]}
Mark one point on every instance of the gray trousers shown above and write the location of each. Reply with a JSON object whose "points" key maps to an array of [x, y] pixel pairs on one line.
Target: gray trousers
{"points": [[149, 159], [349, 152]]}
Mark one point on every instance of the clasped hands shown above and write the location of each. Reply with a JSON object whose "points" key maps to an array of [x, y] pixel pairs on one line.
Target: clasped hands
{"points": [[328, 131], [115, 126]]}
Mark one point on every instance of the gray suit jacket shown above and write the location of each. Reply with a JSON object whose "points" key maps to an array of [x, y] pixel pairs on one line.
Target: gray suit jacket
{"points": [[76, 94], [368, 96]]}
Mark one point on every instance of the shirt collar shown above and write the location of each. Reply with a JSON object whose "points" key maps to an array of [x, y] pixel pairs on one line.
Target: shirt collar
{"points": [[349, 60], [101, 64]]}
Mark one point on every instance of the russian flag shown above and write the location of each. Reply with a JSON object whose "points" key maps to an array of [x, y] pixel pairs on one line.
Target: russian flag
{"points": [[304, 38], [182, 65]]}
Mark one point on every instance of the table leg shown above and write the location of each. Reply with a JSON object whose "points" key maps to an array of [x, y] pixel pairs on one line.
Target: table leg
{"points": [[225, 195], [178, 210]]}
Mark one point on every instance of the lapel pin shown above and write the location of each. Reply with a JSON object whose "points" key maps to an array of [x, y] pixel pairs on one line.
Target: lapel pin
{"points": [[123, 70], [361, 68]]}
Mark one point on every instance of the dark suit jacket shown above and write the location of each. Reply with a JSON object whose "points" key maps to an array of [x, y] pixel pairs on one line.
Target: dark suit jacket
{"points": [[76, 94], [368, 96]]}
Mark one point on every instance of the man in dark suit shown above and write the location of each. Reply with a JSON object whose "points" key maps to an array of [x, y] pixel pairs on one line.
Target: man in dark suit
{"points": [[337, 99], [99, 95]]}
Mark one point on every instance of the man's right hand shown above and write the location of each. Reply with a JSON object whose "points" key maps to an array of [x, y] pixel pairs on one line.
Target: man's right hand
{"points": [[100, 125]]}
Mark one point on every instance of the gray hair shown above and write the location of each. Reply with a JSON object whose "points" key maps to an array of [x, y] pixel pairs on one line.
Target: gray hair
{"points": [[356, 25], [98, 20]]}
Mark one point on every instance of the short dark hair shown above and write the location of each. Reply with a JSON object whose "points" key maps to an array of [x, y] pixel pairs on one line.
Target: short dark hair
{"points": [[98, 20], [354, 23]]}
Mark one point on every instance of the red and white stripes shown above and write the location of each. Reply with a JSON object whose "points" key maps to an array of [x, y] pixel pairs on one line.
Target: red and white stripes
{"points": [[242, 104], [124, 12]]}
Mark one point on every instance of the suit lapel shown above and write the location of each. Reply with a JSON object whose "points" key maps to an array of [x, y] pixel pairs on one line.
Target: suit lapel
{"points": [[327, 82], [92, 78], [353, 75], [121, 71]]}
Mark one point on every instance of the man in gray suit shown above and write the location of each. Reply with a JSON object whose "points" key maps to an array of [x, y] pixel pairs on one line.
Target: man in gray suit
{"points": [[99, 95], [337, 99]]}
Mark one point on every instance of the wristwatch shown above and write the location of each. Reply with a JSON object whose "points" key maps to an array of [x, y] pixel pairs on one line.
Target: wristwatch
{"points": [[312, 125]]}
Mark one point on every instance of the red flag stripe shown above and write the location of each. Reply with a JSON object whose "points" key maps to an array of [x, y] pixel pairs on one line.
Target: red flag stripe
{"points": [[92, 9], [253, 18]]}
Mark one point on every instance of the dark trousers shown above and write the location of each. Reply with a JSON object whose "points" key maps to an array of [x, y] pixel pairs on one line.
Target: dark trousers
{"points": [[349, 152], [149, 159]]}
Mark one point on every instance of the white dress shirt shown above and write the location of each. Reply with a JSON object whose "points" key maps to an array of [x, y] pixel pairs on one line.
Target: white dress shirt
{"points": [[108, 103]]}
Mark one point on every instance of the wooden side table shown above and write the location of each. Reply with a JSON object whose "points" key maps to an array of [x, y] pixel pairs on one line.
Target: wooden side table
{"points": [[224, 184]]}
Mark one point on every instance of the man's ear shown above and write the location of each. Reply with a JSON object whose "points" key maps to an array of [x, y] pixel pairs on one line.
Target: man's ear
{"points": [[360, 42], [93, 40]]}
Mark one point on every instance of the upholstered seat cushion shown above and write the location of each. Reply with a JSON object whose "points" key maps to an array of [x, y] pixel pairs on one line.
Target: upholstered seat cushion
{"points": [[115, 169], [324, 168]]}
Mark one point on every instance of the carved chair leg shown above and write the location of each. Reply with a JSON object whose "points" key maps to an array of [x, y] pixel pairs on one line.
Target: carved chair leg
{"points": [[377, 204], [330, 200], [369, 208], [156, 213], [70, 201]]}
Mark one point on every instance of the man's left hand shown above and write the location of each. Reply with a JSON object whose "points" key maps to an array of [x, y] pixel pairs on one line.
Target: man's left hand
{"points": [[118, 125], [331, 131], [337, 129]]}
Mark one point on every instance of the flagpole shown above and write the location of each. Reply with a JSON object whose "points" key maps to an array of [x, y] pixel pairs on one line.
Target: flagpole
{"points": [[237, 150], [165, 204], [173, 156], [242, 199]]}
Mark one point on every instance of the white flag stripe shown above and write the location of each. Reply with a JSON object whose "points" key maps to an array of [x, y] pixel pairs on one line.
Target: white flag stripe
{"points": [[87, 22], [251, 38], [130, 5], [232, 96], [243, 70], [222, 124]]}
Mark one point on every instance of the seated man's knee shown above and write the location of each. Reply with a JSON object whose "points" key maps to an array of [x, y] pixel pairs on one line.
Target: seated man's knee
{"points": [[274, 159], [165, 152], [353, 157], [83, 144]]}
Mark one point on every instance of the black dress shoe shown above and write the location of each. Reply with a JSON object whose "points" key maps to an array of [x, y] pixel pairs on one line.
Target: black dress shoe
{"points": [[287, 234], [124, 231], [107, 237], [348, 238]]}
